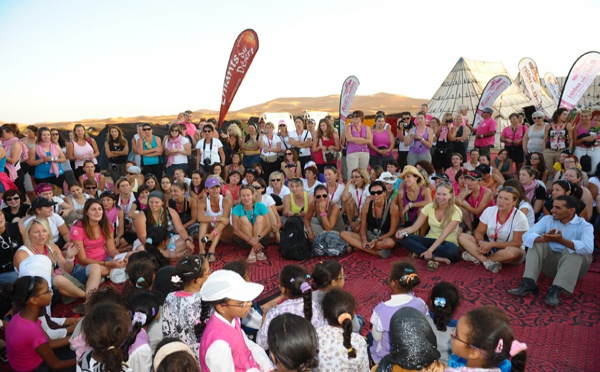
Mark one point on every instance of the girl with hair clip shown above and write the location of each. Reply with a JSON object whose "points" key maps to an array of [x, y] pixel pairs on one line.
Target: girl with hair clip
{"points": [[181, 309], [297, 293], [403, 279], [27, 346], [293, 344], [224, 346], [106, 329], [328, 275], [156, 243], [144, 310], [444, 300], [140, 275], [351, 355], [484, 341], [172, 355]]}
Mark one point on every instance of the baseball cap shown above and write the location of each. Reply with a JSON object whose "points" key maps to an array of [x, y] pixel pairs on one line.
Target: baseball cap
{"points": [[387, 177], [489, 110], [229, 284], [134, 169], [474, 174], [212, 182], [41, 202], [281, 122], [442, 176], [43, 187]]}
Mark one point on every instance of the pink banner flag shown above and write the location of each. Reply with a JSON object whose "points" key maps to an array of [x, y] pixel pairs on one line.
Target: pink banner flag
{"points": [[552, 86], [581, 76], [531, 78], [242, 54], [346, 97], [490, 94]]}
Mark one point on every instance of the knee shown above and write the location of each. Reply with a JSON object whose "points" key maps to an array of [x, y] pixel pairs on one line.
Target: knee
{"points": [[95, 270]]}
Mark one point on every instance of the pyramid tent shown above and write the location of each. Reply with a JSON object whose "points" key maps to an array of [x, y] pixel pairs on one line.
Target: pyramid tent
{"points": [[464, 85]]}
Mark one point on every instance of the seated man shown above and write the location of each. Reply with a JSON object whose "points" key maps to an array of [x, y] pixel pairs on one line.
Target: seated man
{"points": [[561, 248]]}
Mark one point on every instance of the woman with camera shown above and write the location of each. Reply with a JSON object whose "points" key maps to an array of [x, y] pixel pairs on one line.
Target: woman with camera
{"points": [[326, 145], [210, 150], [420, 140], [405, 124], [382, 145], [270, 146], [459, 136], [444, 148]]}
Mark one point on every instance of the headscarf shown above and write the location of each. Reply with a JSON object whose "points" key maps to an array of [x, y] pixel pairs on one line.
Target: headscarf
{"points": [[413, 343]]}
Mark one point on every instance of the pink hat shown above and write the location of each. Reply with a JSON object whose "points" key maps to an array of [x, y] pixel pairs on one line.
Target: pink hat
{"points": [[43, 187]]}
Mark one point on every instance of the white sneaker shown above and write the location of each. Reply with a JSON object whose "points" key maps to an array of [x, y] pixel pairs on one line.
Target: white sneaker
{"points": [[492, 266], [466, 256]]}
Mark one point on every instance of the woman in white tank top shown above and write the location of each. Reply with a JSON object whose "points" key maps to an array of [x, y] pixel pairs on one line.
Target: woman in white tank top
{"points": [[214, 226]]}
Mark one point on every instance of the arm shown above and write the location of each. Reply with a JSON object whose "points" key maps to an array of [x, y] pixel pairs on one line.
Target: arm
{"points": [[525, 140], [222, 155], [287, 206], [107, 151], [394, 214], [15, 153], [70, 151], [121, 228], [194, 214], [415, 226], [187, 150], [102, 183], [64, 232], [357, 140], [178, 225], [47, 354], [95, 147], [447, 231], [140, 227], [497, 176]]}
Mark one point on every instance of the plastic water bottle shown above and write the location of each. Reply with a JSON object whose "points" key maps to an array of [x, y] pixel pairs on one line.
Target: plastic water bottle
{"points": [[171, 247]]}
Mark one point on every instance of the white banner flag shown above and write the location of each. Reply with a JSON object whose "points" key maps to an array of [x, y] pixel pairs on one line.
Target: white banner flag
{"points": [[580, 77], [552, 86], [531, 78], [491, 92], [346, 97]]}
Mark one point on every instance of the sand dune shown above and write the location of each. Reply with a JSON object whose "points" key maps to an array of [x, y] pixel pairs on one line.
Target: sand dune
{"points": [[390, 103]]}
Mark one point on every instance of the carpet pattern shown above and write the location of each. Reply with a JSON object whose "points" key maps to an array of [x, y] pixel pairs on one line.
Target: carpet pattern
{"points": [[561, 339]]}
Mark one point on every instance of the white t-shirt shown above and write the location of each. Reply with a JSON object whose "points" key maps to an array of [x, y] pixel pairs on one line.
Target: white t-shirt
{"points": [[268, 200], [180, 159], [530, 214], [515, 222], [304, 136], [310, 190], [359, 196], [285, 142], [336, 197], [208, 151], [284, 191], [55, 221], [270, 143]]}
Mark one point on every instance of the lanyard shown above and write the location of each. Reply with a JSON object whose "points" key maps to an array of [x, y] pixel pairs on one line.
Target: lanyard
{"points": [[334, 190], [496, 228], [359, 201]]}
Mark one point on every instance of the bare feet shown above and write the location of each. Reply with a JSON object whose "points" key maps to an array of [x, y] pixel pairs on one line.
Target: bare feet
{"points": [[442, 259]]}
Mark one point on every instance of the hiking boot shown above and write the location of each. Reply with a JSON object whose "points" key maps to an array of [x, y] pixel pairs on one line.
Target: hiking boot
{"points": [[466, 256], [492, 266], [553, 295], [526, 287]]}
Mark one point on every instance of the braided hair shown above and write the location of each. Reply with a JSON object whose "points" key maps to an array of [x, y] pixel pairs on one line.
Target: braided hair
{"points": [[338, 308], [155, 238], [293, 342], [143, 310], [444, 299], [294, 279]]}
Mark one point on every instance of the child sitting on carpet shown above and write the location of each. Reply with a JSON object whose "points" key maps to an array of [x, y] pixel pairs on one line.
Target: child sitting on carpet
{"points": [[293, 282], [340, 349], [293, 343], [143, 308], [27, 346], [181, 309], [444, 300], [403, 278], [484, 341], [328, 275]]}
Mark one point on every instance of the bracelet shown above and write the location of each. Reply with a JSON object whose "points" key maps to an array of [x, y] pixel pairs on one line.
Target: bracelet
{"points": [[323, 214], [410, 205], [363, 237], [215, 219], [72, 259], [188, 239]]}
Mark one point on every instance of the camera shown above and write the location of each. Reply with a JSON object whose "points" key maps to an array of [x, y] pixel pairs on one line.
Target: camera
{"points": [[290, 165], [404, 234], [207, 162]]}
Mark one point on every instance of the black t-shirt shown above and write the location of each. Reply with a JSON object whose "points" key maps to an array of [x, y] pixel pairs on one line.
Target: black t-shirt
{"points": [[10, 241], [540, 194], [11, 216]]}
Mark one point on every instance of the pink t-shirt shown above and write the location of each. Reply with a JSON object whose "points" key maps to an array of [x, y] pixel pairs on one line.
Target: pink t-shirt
{"points": [[22, 338], [514, 135], [94, 248], [485, 126], [190, 128]]}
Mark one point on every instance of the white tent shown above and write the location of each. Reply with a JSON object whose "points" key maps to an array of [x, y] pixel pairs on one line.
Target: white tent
{"points": [[464, 85]]}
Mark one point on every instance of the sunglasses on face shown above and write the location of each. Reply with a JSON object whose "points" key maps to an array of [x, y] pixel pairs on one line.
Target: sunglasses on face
{"points": [[535, 158], [389, 178], [379, 192], [508, 188], [90, 187], [257, 187], [174, 130], [289, 153], [147, 129], [276, 180], [321, 196], [13, 198], [207, 131]]}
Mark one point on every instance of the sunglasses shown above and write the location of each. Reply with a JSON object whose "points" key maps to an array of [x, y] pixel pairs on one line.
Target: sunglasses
{"points": [[536, 117], [356, 177], [257, 187], [207, 131], [276, 180], [91, 187], [241, 304], [56, 134], [377, 192], [13, 198], [389, 178], [174, 130], [289, 153], [147, 129], [507, 188], [321, 196], [132, 174]]}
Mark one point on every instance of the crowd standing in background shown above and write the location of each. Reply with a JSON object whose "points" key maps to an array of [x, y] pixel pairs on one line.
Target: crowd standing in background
{"points": [[154, 219]]}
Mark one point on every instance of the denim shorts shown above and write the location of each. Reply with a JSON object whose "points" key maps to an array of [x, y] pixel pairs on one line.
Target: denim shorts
{"points": [[81, 273]]}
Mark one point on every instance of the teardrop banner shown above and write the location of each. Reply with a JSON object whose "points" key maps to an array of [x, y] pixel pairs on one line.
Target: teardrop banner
{"points": [[580, 77], [242, 55], [531, 77], [346, 97], [490, 94], [552, 86]]}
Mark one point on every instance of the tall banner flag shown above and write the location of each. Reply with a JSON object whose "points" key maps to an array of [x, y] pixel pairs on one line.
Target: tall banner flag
{"points": [[531, 78], [346, 97], [552, 86], [491, 92], [242, 54], [580, 77]]}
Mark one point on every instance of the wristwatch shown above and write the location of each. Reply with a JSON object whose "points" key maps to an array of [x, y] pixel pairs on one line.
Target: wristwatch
{"points": [[259, 237]]}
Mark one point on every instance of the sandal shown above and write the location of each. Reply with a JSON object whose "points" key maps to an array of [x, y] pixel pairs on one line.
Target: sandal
{"points": [[211, 257], [251, 259], [261, 256], [432, 265], [202, 256]]}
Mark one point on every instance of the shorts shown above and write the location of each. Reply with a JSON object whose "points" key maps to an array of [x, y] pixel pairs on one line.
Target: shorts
{"points": [[81, 273]]}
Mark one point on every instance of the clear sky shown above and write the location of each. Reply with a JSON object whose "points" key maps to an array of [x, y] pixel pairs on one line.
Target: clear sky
{"points": [[79, 59]]}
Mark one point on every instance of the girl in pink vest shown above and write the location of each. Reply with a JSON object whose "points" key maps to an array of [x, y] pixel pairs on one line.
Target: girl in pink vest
{"points": [[223, 345]]}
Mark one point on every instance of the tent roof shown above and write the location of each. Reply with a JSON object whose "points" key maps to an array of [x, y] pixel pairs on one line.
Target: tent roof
{"points": [[464, 85]]}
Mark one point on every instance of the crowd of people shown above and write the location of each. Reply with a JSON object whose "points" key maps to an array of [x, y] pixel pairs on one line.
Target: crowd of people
{"points": [[154, 221]]}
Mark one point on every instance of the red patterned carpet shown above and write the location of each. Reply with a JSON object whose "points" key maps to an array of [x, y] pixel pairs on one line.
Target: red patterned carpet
{"points": [[561, 339]]}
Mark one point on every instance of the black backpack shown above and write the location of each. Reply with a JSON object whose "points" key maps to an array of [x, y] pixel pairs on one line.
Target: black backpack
{"points": [[294, 243]]}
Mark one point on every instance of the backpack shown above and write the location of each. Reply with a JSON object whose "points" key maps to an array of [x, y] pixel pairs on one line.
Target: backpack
{"points": [[294, 243]]}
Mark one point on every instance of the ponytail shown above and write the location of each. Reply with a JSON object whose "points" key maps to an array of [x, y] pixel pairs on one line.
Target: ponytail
{"points": [[295, 278], [143, 309], [345, 320], [307, 296], [204, 315], [338, 307], [113, 358]]}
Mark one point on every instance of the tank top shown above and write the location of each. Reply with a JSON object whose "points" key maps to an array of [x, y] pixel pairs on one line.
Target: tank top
{"points": [[339, 224], [582, 132], [209, 212], [2, 164], [557, 139], [112, 216], [475, 202], [412, 212], [416, 147], [116, 146], [402, 147], [318, 156], [170, 228], [77, 206], [186, 214], [85, 150], [150, 160], [353, 147], [380, 140], [536, 139], [376, 223], [296, 209], [96, 177], [235, 193]]}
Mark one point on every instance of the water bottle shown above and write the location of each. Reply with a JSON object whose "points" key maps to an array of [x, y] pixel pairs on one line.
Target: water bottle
{"points": [[171, 247]]}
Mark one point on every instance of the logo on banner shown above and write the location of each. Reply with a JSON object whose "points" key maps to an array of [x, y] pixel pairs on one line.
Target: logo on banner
{"points": [[580, 77]]}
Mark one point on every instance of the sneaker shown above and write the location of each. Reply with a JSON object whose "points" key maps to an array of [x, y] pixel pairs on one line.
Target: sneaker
{"points": [[492, 266], [466, 256]]}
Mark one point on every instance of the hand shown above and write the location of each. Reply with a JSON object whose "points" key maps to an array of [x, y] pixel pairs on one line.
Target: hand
{"points": [[399, 233], [405, 209], [223, 220], [552, 236], [417, 137], [115, 264], [71, 249], [47, 159], [427, 255], [190, 244], [253, 241], [366, 245], [258, 248], [311, 236], [484, 247], [464, 193]]}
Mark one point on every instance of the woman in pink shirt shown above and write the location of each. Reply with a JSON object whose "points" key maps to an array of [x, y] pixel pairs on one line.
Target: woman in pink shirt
{"points": [[382, 145]]}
